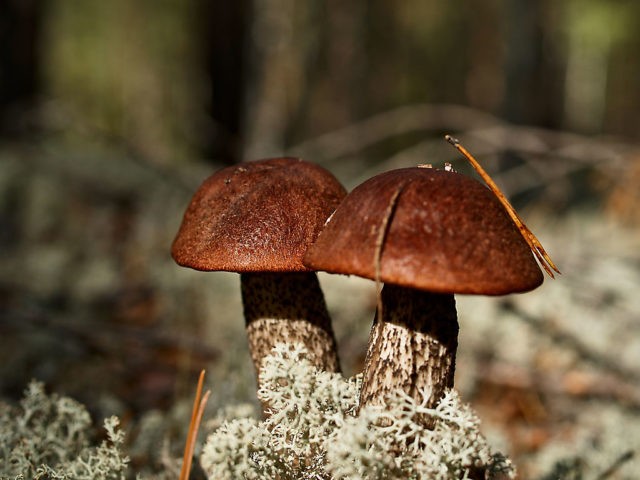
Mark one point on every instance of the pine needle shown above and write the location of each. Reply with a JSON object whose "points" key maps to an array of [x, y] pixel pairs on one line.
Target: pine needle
{"points": [[199, 404], [535, 245]]}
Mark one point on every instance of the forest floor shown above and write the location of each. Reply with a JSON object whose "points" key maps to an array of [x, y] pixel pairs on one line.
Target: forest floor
{"points": [[92, 305]]}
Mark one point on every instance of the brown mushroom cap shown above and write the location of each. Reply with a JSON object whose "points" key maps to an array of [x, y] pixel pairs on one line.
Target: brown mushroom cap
{"points": [[447, 233], [256, 217]]}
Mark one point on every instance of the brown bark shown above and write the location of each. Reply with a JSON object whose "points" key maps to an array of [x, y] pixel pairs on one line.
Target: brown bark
{"points": [[21, 58], [413, 348], [288, 308]]}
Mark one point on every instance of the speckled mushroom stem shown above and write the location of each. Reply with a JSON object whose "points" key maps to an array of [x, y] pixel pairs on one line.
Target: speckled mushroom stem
{"points": [[288, 307], [413, 347]]}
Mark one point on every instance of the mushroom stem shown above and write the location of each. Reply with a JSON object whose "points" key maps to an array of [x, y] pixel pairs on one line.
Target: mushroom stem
{"points": [[412, 348], [287, 308]]}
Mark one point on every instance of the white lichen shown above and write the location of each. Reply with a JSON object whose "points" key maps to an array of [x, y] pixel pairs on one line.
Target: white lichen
{"points": [[603, 439], [47, 437], [312, 432]]}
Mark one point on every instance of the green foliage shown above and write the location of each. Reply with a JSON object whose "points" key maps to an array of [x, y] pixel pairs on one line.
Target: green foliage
{"points": [[47, 437]]}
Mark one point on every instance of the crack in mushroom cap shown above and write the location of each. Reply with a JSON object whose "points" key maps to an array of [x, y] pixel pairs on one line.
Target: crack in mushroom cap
{"points": [[256, 217], [447, 233]]}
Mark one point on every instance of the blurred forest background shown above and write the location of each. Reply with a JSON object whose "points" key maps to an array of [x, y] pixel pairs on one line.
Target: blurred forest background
{"points": [[112, 113]]}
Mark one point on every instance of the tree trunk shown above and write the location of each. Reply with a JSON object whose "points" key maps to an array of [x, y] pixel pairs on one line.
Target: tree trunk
{"points": [[20, 29]]}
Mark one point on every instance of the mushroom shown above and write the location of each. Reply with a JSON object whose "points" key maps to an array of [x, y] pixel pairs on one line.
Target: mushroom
{"points": [[426, 234], [258, 219]]}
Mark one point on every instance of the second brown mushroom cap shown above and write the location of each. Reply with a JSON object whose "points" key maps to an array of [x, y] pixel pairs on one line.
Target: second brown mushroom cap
{"points": [[426, 234]]}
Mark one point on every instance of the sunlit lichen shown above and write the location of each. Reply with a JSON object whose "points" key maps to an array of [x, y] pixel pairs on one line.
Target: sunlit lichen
{"points": [[313, 432]]}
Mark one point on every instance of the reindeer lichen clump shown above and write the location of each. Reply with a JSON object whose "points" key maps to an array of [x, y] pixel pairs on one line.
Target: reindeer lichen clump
{"points": [[47, 437], [313, 432]]}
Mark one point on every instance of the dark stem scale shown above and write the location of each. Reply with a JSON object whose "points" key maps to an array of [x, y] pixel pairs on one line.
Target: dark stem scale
{"points": [[288, 307], [412, 348]]}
